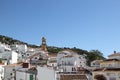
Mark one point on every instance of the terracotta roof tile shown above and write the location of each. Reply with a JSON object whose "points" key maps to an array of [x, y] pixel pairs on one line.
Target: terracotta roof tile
{"points": [[73, 77], [107, 69], [115, 54]]}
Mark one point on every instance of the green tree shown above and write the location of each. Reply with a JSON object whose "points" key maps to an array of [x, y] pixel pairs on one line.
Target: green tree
{"points": [[94, 55]]}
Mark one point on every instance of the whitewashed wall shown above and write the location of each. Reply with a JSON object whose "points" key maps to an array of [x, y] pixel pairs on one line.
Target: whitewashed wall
{"points": [[23, 76], [22, 48], [1, 71], [45, 73], [8, 70], [14, 58], [114, 57]]}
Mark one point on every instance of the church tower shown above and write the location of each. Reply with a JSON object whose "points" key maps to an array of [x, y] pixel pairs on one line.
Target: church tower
{"points": [[44, 46]]}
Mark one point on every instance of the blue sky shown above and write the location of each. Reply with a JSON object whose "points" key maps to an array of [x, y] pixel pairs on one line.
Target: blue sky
{"points": [[85, 24]]}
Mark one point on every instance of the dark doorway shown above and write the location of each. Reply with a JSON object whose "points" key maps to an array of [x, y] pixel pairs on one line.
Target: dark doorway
{"points": [[100, 77]]}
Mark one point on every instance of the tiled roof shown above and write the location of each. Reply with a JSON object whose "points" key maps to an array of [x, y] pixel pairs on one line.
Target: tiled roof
{"points": [[52, 55], [73, 77], [67, 51], [107, 69], [15, 64], [111, 60], [97, 61], [36, 54], [32, 70], [1, 63], [68, 56], [115, 54]]}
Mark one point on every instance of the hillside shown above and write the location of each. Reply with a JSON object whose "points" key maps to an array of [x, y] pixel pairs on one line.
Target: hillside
{"points": [[91, 55], [10, 41]]}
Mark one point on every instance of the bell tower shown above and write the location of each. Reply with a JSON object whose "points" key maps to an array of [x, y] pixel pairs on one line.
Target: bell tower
{"points": [[44, 46]]}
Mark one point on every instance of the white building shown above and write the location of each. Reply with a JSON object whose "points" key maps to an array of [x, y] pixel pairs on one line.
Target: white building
{"points": [[8, 71], [69, 60], [96, 63], [71, 66], [11, 56], [109, 68], [1, 70], [67, 63], [8, 54], [45, 73], [38, 58], [52, 60], [115, 55], [4, 47], [14, 57], [22, 48], [26, 74]]}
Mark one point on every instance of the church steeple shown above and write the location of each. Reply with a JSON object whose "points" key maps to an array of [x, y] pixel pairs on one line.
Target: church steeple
{"points": [[44, 46]]}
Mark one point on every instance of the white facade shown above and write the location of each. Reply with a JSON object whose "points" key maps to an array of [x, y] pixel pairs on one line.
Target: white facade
{"points": [[110, 64], [20, 48], [1, 71], [8, 71], [96, 63], [82, 61], [8, 54], [22, 74], [11, 56], [39, 54], [4, 47], [4, 51], [109, 68], [69, 61], [52, 61], [109, 75], [115, 55], [14, 58], [45, 73]]}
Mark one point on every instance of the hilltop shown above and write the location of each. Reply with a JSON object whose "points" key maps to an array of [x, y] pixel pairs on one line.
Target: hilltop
{"points": [[11, 41], [91, 55]]}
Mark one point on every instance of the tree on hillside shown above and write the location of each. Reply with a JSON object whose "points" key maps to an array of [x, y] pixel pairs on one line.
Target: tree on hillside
{"points": [[79, 51], [94, 55]]}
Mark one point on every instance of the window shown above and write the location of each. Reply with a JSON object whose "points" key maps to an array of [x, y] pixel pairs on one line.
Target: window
{"points": [[27, 54], [68, 63], [11, 74], [72, 68], [35, 57]]}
